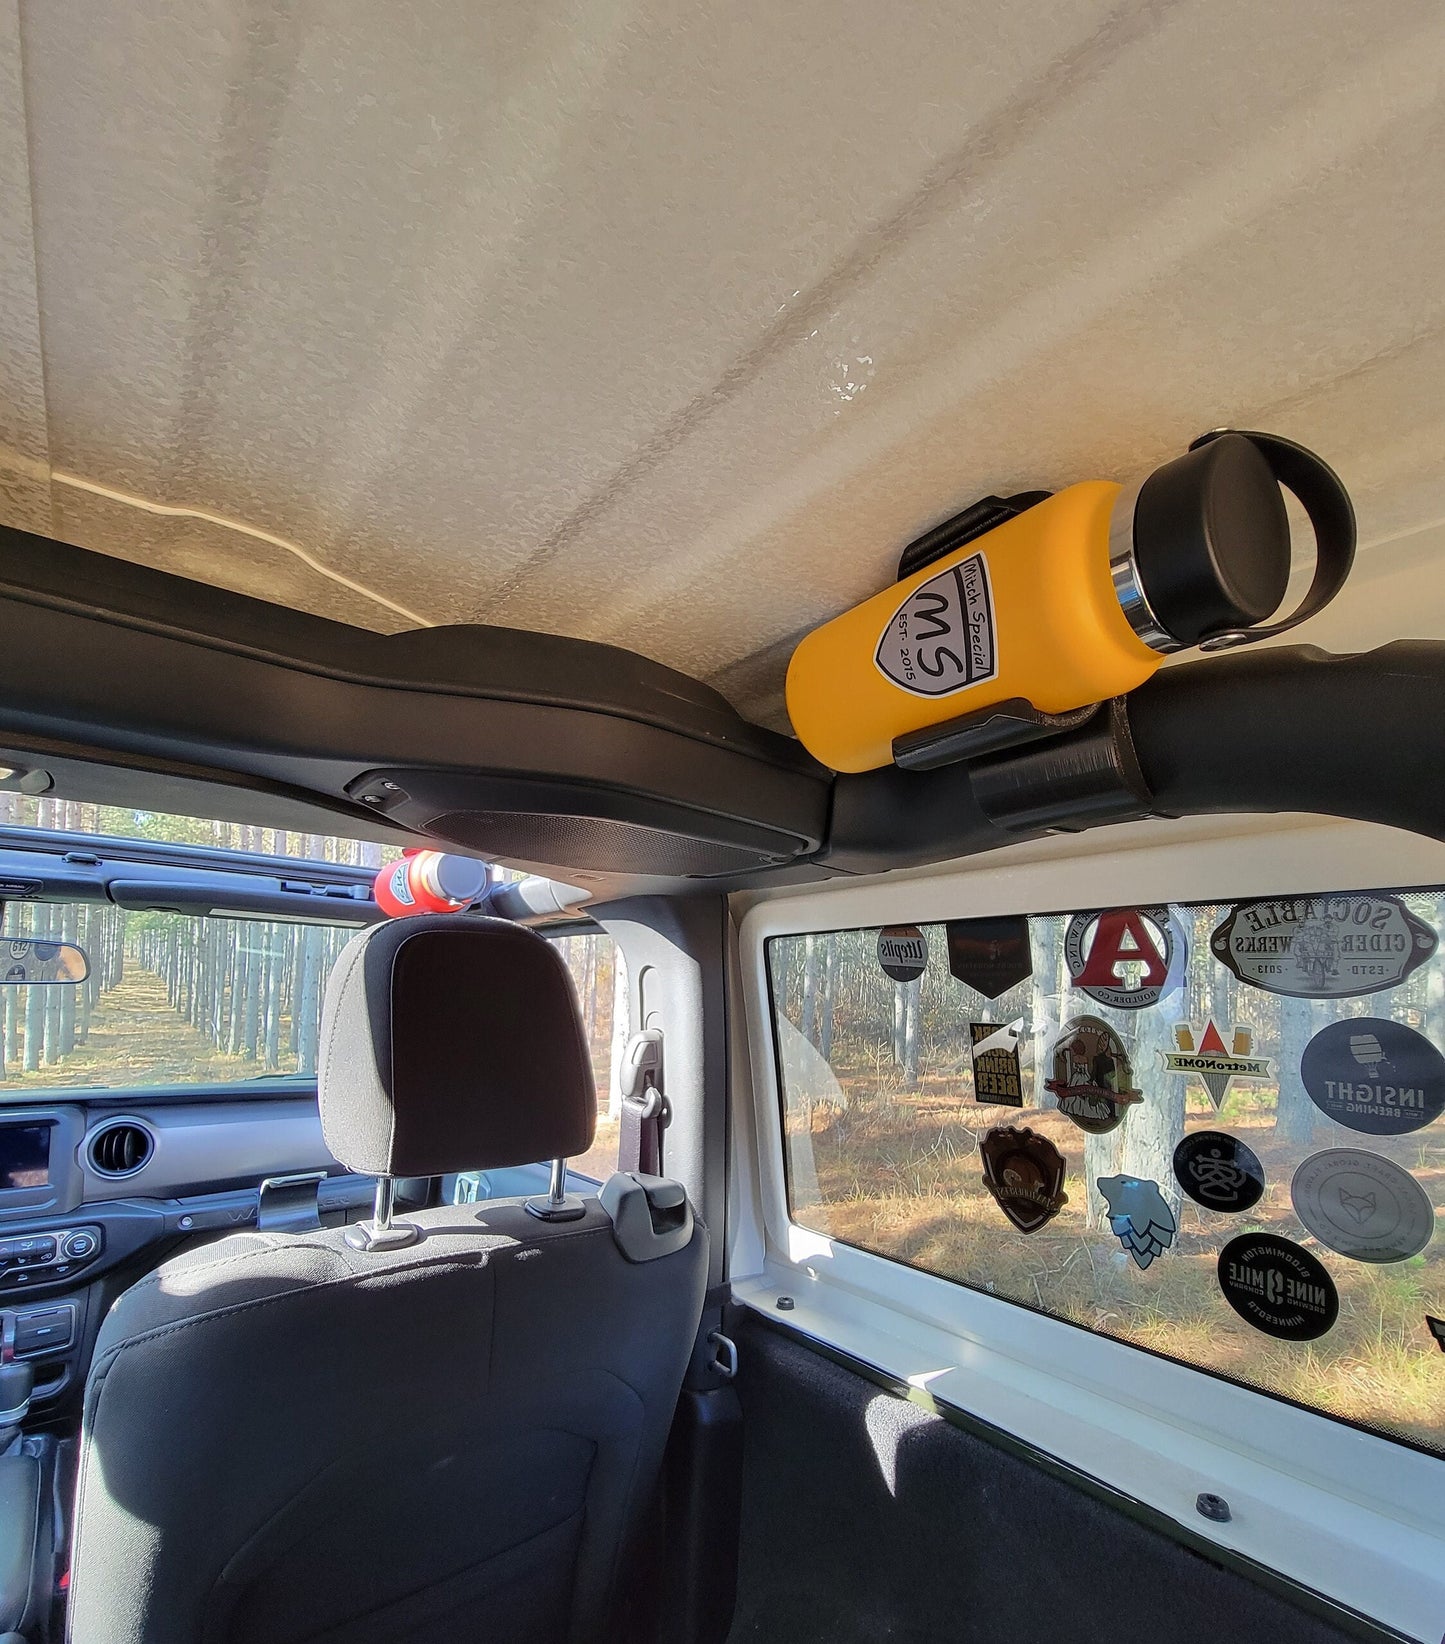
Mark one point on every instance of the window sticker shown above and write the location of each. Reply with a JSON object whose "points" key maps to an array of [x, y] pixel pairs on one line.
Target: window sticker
{"points": [[1124, 958], [1139, 1216], [1211, 1061], [1025, 1173], [990, 955], [1374, 1076], [997, 1076], [1093, 1077], [1323, 947], [1278, 1287], [1219, 1172], [902, 952], [1363, 1205]]}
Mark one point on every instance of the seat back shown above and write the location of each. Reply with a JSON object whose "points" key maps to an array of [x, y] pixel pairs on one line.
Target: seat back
{"points": [[288, 1438]]}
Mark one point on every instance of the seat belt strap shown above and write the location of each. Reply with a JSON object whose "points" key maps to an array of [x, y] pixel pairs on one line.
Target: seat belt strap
{"points": [[644, 1107]]}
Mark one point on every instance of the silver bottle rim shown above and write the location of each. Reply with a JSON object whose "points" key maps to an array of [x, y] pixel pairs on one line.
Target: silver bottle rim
{"points": [[1124, 573]]}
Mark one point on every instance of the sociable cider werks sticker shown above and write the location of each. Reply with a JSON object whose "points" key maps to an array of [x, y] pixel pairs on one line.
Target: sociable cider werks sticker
{"points": [[1278, 1287], [941, 638], [1323, 947], [1219, 1171]]}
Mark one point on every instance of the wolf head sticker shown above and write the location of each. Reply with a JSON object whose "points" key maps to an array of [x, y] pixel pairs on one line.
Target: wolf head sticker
{"points": [[1139, 1217]]}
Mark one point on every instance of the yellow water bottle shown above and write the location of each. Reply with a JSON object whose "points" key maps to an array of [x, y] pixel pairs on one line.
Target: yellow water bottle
{"points": [[1075, 599]]}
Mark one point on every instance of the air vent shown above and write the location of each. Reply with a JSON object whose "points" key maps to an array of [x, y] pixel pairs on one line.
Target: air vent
{"points": [[120, 1148]]}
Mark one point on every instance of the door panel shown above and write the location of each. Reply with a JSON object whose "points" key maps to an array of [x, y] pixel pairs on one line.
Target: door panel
{"points": [[866, 1517]]}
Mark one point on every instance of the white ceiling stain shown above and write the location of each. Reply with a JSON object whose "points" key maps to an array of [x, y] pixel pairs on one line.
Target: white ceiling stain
{"points": [[669, 325]]}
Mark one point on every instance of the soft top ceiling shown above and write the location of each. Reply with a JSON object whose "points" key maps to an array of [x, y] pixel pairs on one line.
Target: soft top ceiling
{"points": [[667, 324]]}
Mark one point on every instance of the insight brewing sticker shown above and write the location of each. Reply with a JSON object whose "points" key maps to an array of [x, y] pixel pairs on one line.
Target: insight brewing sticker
{"points": [[941, 639], [1375, 1076], [1323, 947]]}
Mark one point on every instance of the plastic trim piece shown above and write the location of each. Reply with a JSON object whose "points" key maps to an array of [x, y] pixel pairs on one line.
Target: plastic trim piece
{"points": [[1307, 1598]]}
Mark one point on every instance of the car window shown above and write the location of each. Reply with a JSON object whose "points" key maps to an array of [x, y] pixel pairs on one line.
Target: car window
{"points": [[169, 1000], [599, 975], [1211, 1131]]}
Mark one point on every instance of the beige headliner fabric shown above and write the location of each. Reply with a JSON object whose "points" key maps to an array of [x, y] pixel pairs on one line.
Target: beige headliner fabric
{"points": [[670, 324]]}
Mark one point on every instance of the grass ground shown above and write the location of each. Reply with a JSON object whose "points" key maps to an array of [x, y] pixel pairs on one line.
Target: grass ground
{"points": [[136, 1038], [898, 1172]]}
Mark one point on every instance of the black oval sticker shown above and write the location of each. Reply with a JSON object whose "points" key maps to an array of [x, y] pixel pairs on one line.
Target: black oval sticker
{"points": [[1278, 1287], [1219, 1171]]}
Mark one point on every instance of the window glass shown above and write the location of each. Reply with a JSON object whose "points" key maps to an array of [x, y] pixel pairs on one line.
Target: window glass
{"points": [[112, 821], [169, 1000], [1212, 1131], [599, 975]]}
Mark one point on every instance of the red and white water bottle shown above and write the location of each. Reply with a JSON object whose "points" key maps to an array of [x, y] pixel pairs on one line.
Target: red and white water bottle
{"points": [[429, 882]]}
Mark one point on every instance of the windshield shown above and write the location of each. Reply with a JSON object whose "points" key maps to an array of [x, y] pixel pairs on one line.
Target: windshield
{"points": [[19, 810], [170, 1000]]}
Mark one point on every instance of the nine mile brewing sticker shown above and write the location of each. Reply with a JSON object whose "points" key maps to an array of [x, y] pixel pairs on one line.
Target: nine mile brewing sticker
{"points": [[1139, 1216], [996, 1075], [1213, 1062], [1323, 947], [1093, 1079], [941, 638], [903, 952], [1362, 1205], [1278, 1287], [1124, 958], [1219, 1171], [1025, 1173], [1375, 1076]]}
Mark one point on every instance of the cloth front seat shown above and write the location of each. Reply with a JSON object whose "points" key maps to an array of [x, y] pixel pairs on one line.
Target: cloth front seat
{"points": [[289, 1439]]}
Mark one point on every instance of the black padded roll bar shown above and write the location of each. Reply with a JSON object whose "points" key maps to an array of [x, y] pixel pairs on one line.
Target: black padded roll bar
{"points": [[1288, 729]]}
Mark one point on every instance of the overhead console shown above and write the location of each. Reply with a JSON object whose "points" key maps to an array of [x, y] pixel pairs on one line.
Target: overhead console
{"points": [[523, 746]]}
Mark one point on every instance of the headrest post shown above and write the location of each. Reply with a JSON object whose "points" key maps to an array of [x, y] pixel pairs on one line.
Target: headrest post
{"points": [[383, 1203], [381, 1232], [557, 1206]]}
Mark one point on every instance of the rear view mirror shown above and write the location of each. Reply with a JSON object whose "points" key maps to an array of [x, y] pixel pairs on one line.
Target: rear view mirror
{"points": [[34, 960]]}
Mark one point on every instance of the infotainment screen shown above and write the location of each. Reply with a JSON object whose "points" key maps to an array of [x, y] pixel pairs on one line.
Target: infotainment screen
{"points": [[24, 1156]]}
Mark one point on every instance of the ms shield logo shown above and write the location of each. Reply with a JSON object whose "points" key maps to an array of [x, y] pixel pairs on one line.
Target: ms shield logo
{"points": [[941, 638]]}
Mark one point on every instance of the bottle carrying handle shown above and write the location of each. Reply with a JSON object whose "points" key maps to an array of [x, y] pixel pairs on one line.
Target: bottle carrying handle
{"points": [[1324, 499]]}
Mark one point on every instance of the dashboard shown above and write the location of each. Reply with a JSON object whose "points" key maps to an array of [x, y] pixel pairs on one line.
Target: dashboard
{"points": [[94, 1194]]}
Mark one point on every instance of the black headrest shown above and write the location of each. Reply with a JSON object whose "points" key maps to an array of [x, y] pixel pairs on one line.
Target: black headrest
{"points": [[450, 1042]]}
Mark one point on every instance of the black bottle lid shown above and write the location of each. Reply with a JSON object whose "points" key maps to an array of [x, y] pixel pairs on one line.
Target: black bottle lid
{"points": [[1211, 544]]}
